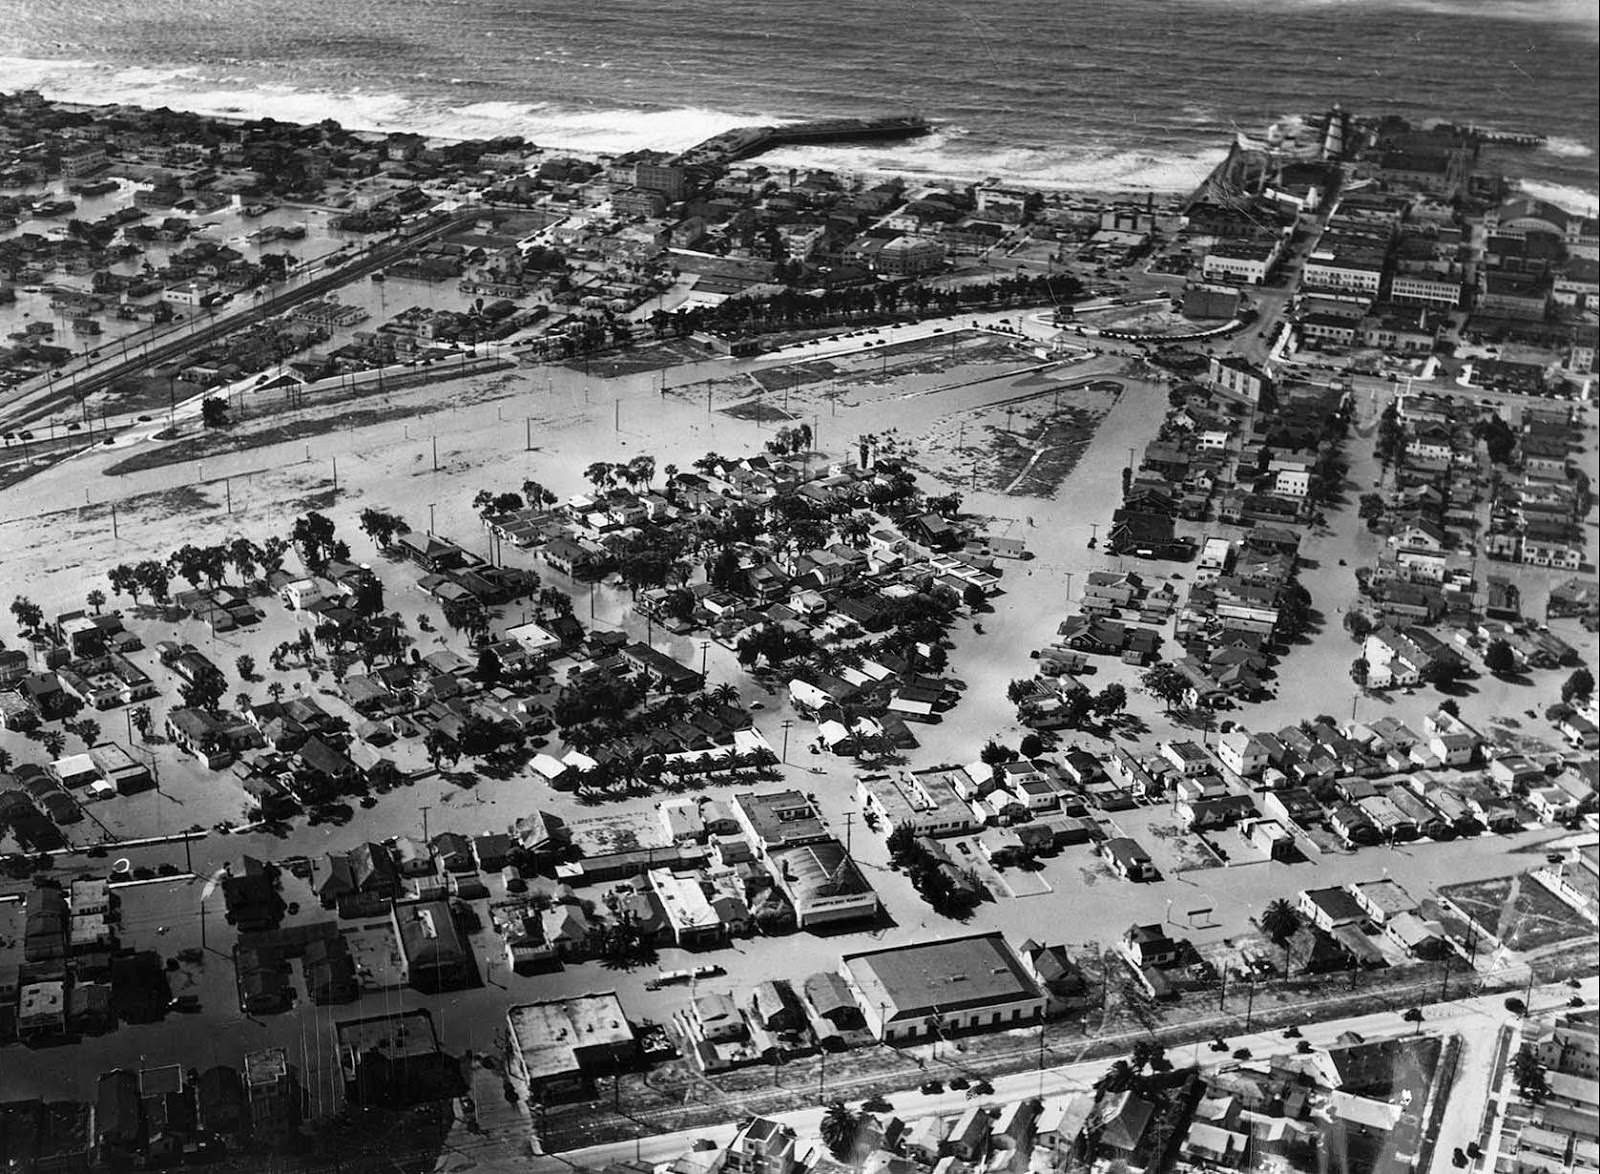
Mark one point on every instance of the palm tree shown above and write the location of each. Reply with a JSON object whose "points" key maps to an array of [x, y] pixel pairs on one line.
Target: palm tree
{"points": [[838, 1128], [1117, 1078], [95, 599], [1280, 920], [726, 693]]}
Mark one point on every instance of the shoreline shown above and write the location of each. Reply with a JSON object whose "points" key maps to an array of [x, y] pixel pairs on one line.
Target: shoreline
{"points": [[1043, 168]]}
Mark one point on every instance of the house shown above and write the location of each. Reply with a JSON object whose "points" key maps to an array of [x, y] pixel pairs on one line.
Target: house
{"points": [[1243, 753], [1330, 908], [368, 871], [437, 956], [1119, 1124], [1381, 900], [1187, 758], [1128, 860], [762, 1146], [1149, 945], [1219, 812], [1053, 968]]}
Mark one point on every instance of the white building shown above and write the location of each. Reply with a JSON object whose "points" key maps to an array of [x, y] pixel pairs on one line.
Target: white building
{"points": [[1326, 270]]}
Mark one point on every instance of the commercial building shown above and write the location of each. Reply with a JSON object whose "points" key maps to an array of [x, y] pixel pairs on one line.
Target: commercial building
{"points": [[925, 801], [1246, 262], [1359, 272], [558, 1046], [822, 883], [907, 992]]}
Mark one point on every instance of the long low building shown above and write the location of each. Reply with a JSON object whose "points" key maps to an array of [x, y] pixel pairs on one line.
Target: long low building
{"points": [[935, 988]]}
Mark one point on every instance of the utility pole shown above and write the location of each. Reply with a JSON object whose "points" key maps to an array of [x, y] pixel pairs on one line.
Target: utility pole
{"points": [[786, 724], [430, 519], [849, 822], [705, 646], [435, 454], [1041, 1055], [528, 444], [425, 809]]}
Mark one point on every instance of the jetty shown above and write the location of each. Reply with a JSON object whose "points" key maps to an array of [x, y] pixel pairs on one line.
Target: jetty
{"points": [[744, 142]]}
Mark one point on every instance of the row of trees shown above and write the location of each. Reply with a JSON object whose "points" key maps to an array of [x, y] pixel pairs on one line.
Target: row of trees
{"points": [[792, 308], [153, 577], [1078, 703], [635, 474]]}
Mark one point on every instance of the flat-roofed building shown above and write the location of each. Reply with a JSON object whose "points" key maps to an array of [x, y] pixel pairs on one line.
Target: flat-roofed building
{"points": [[1382, 899], [957, 984], [690, 915], [925, 801], [559, 1045], [778, 819]]}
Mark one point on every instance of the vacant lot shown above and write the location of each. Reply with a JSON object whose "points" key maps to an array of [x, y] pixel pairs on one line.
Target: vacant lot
{"points": [[1518, 910]]}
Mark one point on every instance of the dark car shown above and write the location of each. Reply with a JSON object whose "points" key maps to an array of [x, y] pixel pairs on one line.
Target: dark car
{"points": [[932, 1087]]}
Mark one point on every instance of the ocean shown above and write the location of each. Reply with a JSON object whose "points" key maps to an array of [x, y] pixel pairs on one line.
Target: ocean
{"points": [[1104, 94]]}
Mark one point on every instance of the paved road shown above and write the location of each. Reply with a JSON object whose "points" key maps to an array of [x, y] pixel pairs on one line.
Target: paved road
{"points": [[1478, 1020]]}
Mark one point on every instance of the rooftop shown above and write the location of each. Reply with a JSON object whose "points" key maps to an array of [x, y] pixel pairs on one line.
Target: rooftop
{"points": [[551, 1034], [950, 975], [408, 1033]]}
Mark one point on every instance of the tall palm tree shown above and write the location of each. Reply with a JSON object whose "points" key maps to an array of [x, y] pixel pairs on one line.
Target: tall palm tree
{"points": [[1279, 920], [838, 1128]]}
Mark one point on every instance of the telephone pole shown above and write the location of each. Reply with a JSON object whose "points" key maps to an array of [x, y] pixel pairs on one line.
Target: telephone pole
{"points": [[787, 723]]}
